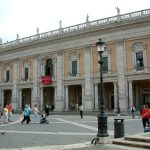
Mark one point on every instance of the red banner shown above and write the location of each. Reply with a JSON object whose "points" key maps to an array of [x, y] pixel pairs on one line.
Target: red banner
{"points": [[46, 79]]}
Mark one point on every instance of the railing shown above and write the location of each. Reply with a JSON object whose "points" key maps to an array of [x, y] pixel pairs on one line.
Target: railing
{"points": [[78, 27], [139, 69]]}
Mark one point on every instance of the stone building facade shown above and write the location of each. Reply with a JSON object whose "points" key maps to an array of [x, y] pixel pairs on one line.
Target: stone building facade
{"points": [[68, 57]]}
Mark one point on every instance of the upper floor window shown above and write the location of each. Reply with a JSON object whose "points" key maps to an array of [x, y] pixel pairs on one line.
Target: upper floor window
{"points": [[26, 74], [7, 75], [139, 56], [74, 68], [139, 61], [105, 64], [106, 59], [74, 64], [26, 70], [49, 67]]}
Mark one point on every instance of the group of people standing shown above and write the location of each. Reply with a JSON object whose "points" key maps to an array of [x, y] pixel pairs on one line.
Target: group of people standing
{"points": [[6, 112]]}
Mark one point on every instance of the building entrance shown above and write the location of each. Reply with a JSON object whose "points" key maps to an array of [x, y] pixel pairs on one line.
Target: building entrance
{"points": [[7, 97], [26, 97], [48, 99], [75, 97]]}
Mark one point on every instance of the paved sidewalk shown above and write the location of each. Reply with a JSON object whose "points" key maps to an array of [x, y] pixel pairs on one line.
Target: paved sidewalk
{"points": [[82, 146]]}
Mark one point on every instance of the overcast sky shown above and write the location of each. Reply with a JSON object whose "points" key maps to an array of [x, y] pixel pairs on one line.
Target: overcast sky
{"points": [[24, 16]]}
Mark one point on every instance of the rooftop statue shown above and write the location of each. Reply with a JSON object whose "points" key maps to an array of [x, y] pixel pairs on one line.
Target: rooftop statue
{"points": [[118, 10], [87, 18]]}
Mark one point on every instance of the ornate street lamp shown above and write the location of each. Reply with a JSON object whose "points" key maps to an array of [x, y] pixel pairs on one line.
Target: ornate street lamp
{"points": [[102, 135]]}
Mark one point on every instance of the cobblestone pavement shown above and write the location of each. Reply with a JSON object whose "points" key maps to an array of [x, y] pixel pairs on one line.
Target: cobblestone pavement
{"points": [[63, 132]]}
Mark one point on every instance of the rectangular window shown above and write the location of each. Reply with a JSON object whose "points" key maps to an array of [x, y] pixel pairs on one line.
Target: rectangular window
{"points": [[74, 68], [105, 64], [7, 75], [139, 61], [26, 75]]}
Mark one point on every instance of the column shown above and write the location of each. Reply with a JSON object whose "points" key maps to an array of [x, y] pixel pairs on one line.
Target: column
{"points": [[83, 95], [55, 95], [60, 87], [122, 81], [2, 95], [20, 99], [88, 98], [41, 99], [115, 95], [66, 98], [130, 94], [96, 95], [14, 100], [55, 69]]}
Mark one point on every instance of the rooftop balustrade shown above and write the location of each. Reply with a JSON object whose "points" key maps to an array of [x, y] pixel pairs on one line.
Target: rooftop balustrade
{"points": [[79, 27]]}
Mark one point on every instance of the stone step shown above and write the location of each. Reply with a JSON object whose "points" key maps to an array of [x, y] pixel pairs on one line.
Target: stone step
{"points": [[138, 138], [131, 143]]}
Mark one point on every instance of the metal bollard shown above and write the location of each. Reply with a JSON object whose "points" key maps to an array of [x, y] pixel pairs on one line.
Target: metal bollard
{"points": [[118, 128]]}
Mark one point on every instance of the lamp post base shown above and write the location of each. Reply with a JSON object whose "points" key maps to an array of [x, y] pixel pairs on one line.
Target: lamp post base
{"points": [[101, 140]]}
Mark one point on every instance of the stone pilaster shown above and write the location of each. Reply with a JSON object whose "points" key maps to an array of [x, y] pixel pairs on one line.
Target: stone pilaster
{"points": [[59, 100], [121, 67], [88, 99], [35, 90], [14, 100]]}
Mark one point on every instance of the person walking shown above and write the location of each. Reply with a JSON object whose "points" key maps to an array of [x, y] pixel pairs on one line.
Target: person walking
{"points": [[81, 111], [6, 114], [26, 114], [35, 112], [145, 116], [132, 109]]}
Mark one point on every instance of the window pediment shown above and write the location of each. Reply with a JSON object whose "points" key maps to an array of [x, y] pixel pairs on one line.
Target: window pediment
{"points": [[139, 46]]}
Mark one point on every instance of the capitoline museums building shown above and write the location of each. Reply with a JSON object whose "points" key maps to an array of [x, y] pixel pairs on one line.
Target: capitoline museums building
{"points": [[61, 67]]}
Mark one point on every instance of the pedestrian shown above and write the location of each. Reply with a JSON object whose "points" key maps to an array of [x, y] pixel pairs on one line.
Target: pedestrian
{"points": [[81, 110], [47, 110], [132, 109], [26, 114], [145, 116], [44, 118], [10, 109], [35, 112], [6, 114]]}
